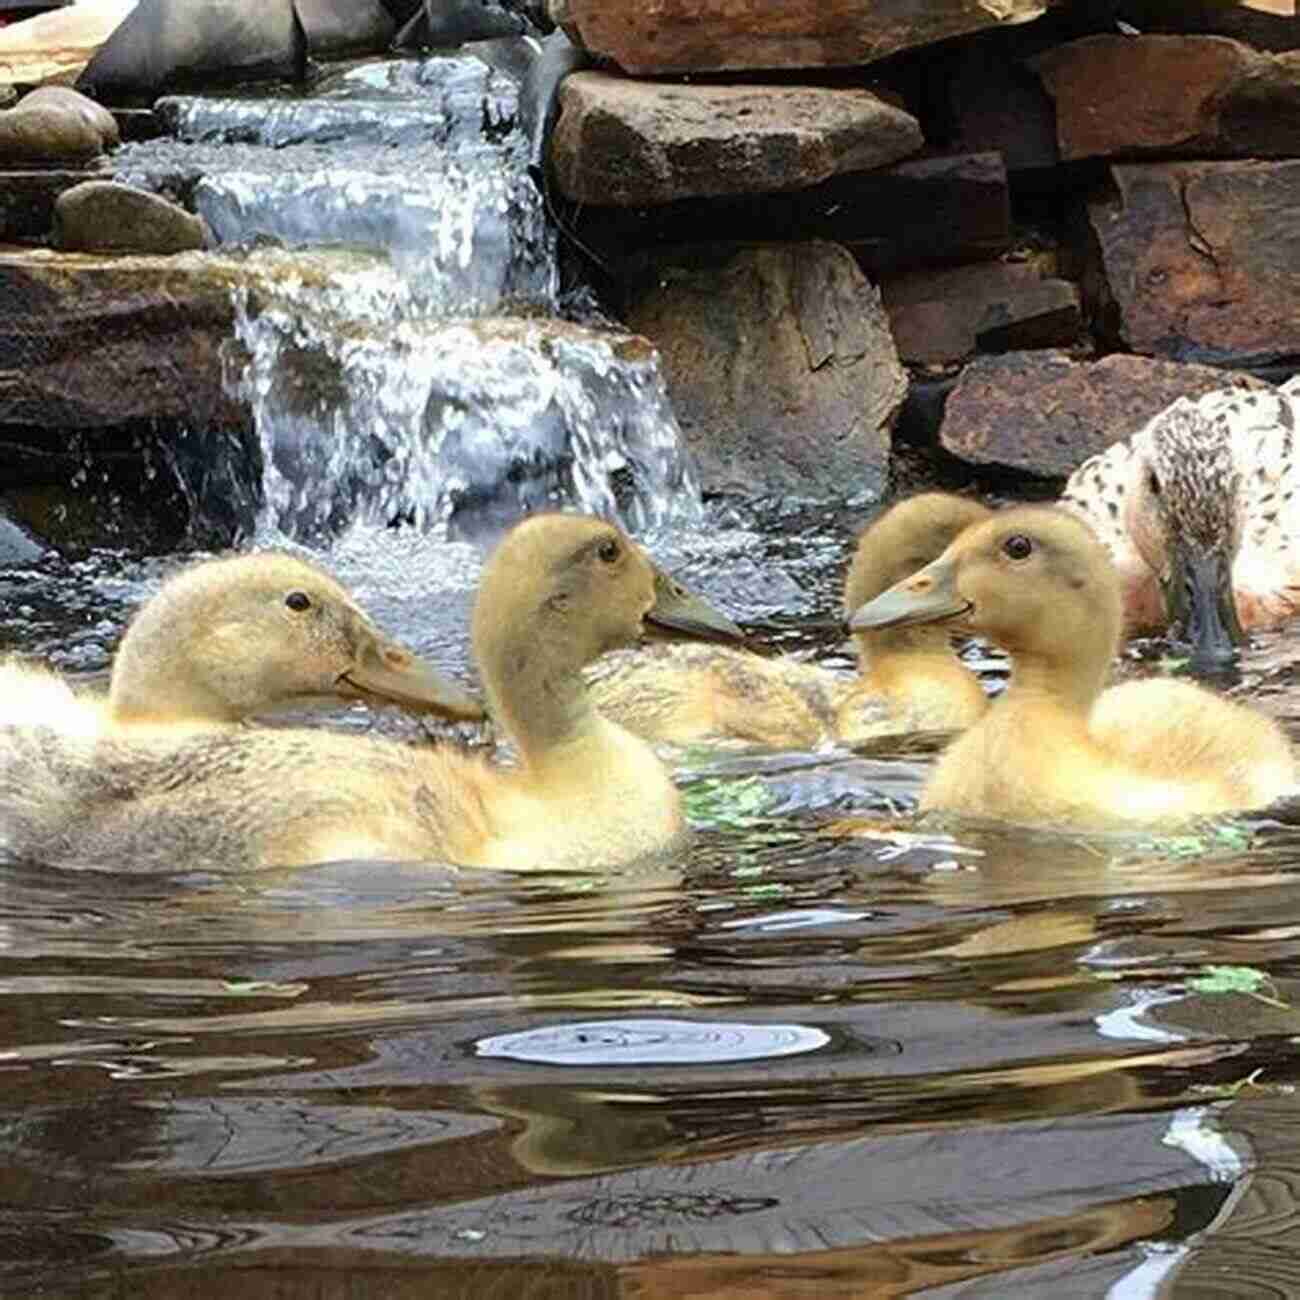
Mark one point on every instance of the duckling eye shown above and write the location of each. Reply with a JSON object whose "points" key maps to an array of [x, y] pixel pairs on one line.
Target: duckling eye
{"points": [[298, 601], [1153, 484], [608, 551], [1017, 547]]}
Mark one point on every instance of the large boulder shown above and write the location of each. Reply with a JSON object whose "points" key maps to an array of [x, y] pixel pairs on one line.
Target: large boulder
{"points": [[1044, 413], [55, 125], [184, 44], [108, 217], [1193, 95], [686, 36], [632, 142], [1200, 260], [56, 46], [780, 368]]}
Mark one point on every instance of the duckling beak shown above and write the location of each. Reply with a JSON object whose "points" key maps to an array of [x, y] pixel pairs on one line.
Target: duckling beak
{"points": [[388, 672], [929, 596], [1199, 596], [679, 612]]}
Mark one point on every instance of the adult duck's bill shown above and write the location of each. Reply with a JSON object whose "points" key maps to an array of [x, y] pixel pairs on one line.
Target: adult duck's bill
{"points": [[387, 672], [929, 596], [1200, 601], [679, 613]]}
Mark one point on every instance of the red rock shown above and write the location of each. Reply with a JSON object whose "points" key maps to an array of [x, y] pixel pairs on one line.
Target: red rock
{"points": [[1200, 260], [650, 37], [630, 142], [780, 369], [947, 314], [1044, 413], [1194, 95]]}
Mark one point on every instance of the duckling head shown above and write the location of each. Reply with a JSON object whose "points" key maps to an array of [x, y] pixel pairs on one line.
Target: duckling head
{"points": [[561, 590], [897, 543], [1181, 513], [1033, 579], [233, 637]]}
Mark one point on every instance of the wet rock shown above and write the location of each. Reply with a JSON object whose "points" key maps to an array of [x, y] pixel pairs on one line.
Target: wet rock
{"points": [[631, 142], [1044, 413], [920, 211], [1193, 95], [453, 22], [683, 36], [780, 369], [175, 44], [105, 216], [1200, 260], [55, 124], [56, 46], [91, 342], [947, 314]]}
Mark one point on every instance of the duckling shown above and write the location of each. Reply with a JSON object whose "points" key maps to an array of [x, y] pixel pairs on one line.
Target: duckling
{"points": [[229, 638], [908, 679], [1053, 749], [558, 591], [1201, 511]]}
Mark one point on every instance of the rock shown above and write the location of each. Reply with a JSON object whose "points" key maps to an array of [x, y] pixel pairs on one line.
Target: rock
{"points": [[945, 315], [632, 142], [56, 46], [442, 23], [179, 44], [55, 124], [1264, 24], [90, 342], [18, 548], [1044, 413], [780, 369], [685, 36], [1193, 95], [1200, 260], [916, 212], [105, 216]]}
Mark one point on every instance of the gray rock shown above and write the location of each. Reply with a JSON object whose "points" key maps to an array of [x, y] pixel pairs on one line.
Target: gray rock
{"points": [[781, 369], [620, 141], [108, 217]]}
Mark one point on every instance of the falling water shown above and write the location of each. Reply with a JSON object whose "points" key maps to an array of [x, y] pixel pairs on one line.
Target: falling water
{"points": [[397, 336]]}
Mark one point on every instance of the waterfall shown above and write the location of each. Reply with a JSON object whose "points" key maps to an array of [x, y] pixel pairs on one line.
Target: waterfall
{"points": [[397, 336]]}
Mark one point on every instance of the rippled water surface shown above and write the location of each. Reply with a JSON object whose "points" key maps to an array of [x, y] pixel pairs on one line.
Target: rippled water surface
{"points": [[830, 1052]]}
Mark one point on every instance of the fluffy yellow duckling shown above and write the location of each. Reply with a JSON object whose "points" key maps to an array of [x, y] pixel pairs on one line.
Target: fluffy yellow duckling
{"points": [[230, 638], [1200, 510], [908, 678], [559, 591], [1053, 750]]}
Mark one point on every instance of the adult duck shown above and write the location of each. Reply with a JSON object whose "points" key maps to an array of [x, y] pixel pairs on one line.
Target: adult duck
{"points": [[559, 591], [908, 679], [227, 639], [1200, 510], [1053, 750]]}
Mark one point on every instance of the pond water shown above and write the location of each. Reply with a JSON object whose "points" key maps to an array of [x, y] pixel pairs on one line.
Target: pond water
{"points": [[831, 1052]]}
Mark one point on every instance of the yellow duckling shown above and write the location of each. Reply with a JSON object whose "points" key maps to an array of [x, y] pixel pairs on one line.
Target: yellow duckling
{"points": [[1200, 510], [1053, 750], [230, 638], [908, 678], [559, 591]]}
